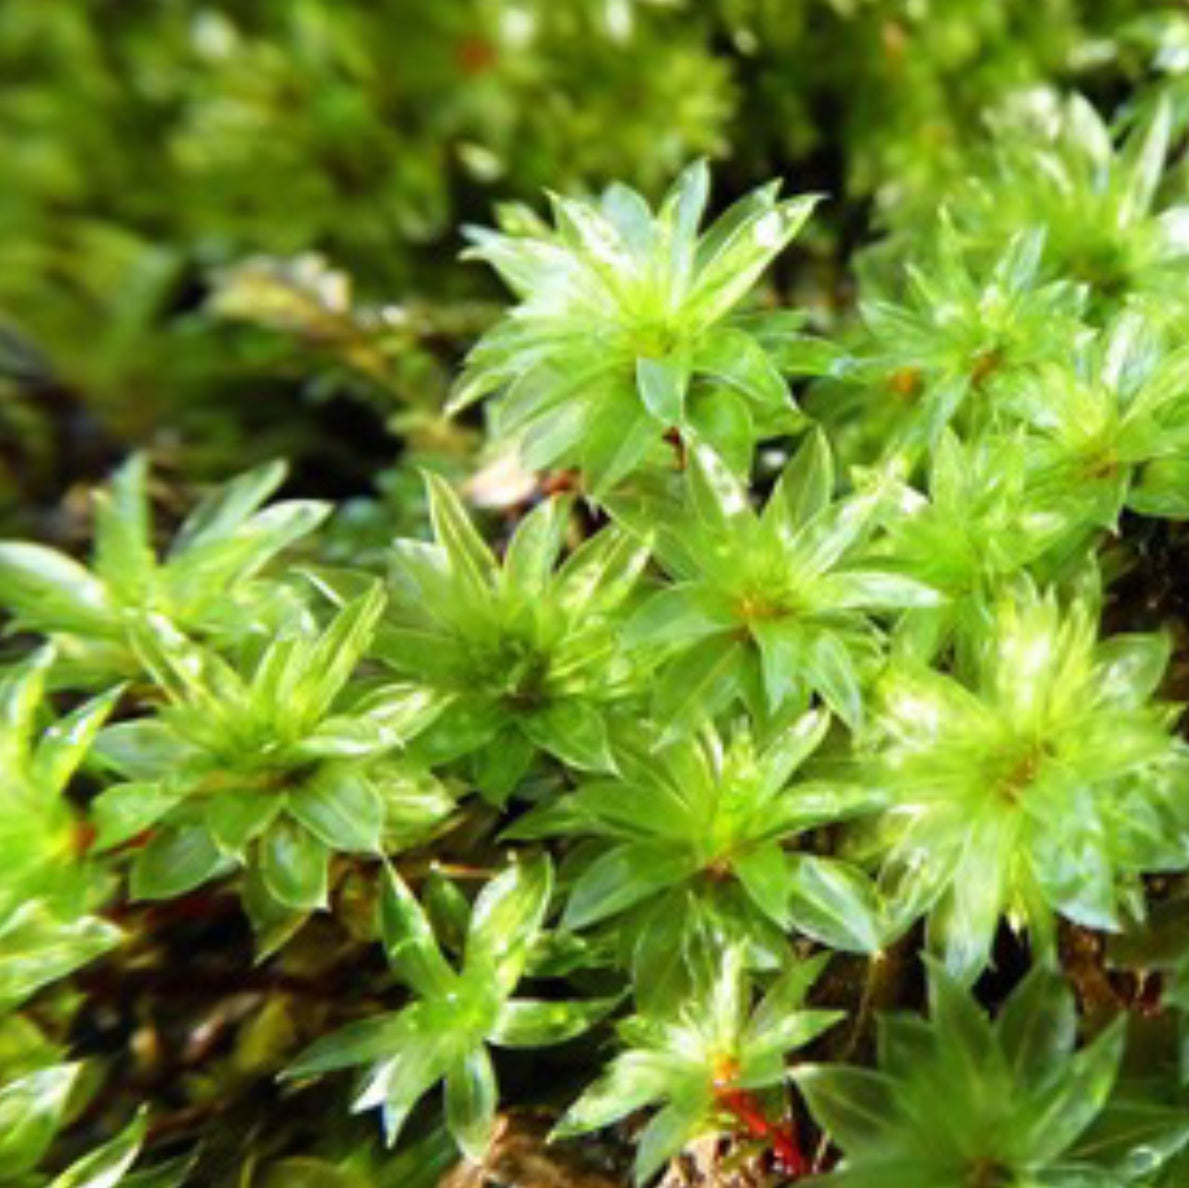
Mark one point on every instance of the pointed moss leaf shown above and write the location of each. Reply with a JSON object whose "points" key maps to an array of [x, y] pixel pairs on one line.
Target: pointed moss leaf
{"points": [[764, 873], [223, 511], [525, 1023], [396, 1083], [699, 683], [293, 865], [378, 1037], [37, 947], [508, 914], [31, 1110], [872, 590], [533, 551], [1038, 1025], [126, 810], [1133, 1138], [663, 383], [471, 1099], [176, 860], [50, 592], [804, 488], [830, 670], [856, 1107], [575, 732], [106, 1166], [143, 750], [622, 877], [333, 658], [722, 417], [667, 1132], [834, 903], [62, 748], [718, 498], [1067, 1108], [124, 557], [341, 807], [409, 940], [632, 1080], [734, 358], [238, 816], [470, 559]]}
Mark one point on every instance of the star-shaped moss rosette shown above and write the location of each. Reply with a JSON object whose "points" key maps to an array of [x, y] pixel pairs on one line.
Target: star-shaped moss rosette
{"points": [[942, 352], [444, 1033], [523, 657], [961, 1101], [696, 831], [625, 329], [1109, 427], [711, 1058], [1054, 165], [766, 608], [273, 769], [209, 583], [981, 522], [1041, 782]]}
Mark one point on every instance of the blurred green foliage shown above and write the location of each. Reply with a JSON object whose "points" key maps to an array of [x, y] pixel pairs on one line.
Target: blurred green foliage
{"points": [[149, 148]]}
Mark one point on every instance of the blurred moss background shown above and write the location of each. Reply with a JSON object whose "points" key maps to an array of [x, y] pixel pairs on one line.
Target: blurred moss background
{"points": [[229, 229]]}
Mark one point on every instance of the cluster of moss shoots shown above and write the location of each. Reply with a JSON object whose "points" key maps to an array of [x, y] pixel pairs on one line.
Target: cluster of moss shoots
{"points": [[824, 697]]}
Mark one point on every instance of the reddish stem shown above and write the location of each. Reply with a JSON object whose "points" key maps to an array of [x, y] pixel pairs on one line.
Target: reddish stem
{"points": [[786, 1148]]}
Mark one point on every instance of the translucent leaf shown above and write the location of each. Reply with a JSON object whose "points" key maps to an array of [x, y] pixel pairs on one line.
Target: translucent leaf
{"points": [[1051, 1120], [622, 877], [699, 683], [1141, 164], [409, 940], [631, 1081], [367, 1040], [238, 815], [65, 744], [176, 860], [507, 916], [873, 590], [48, 591], [737, 249], [470, 559], [666, 1134], [856, 1107], [718, 498], [525, 1023], [575, 732], [831, 672], [1037, 1027], [223, 511], [602, 571], [124, 557], [662, 384], [37, 947], [533, 552], [834, 903], [122, 812], [31, 1110], [471, 1098], [341, 808], [764, 873], [293, 865], [106, 1166], [679, 613], [804, 488], [731, 357]]}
